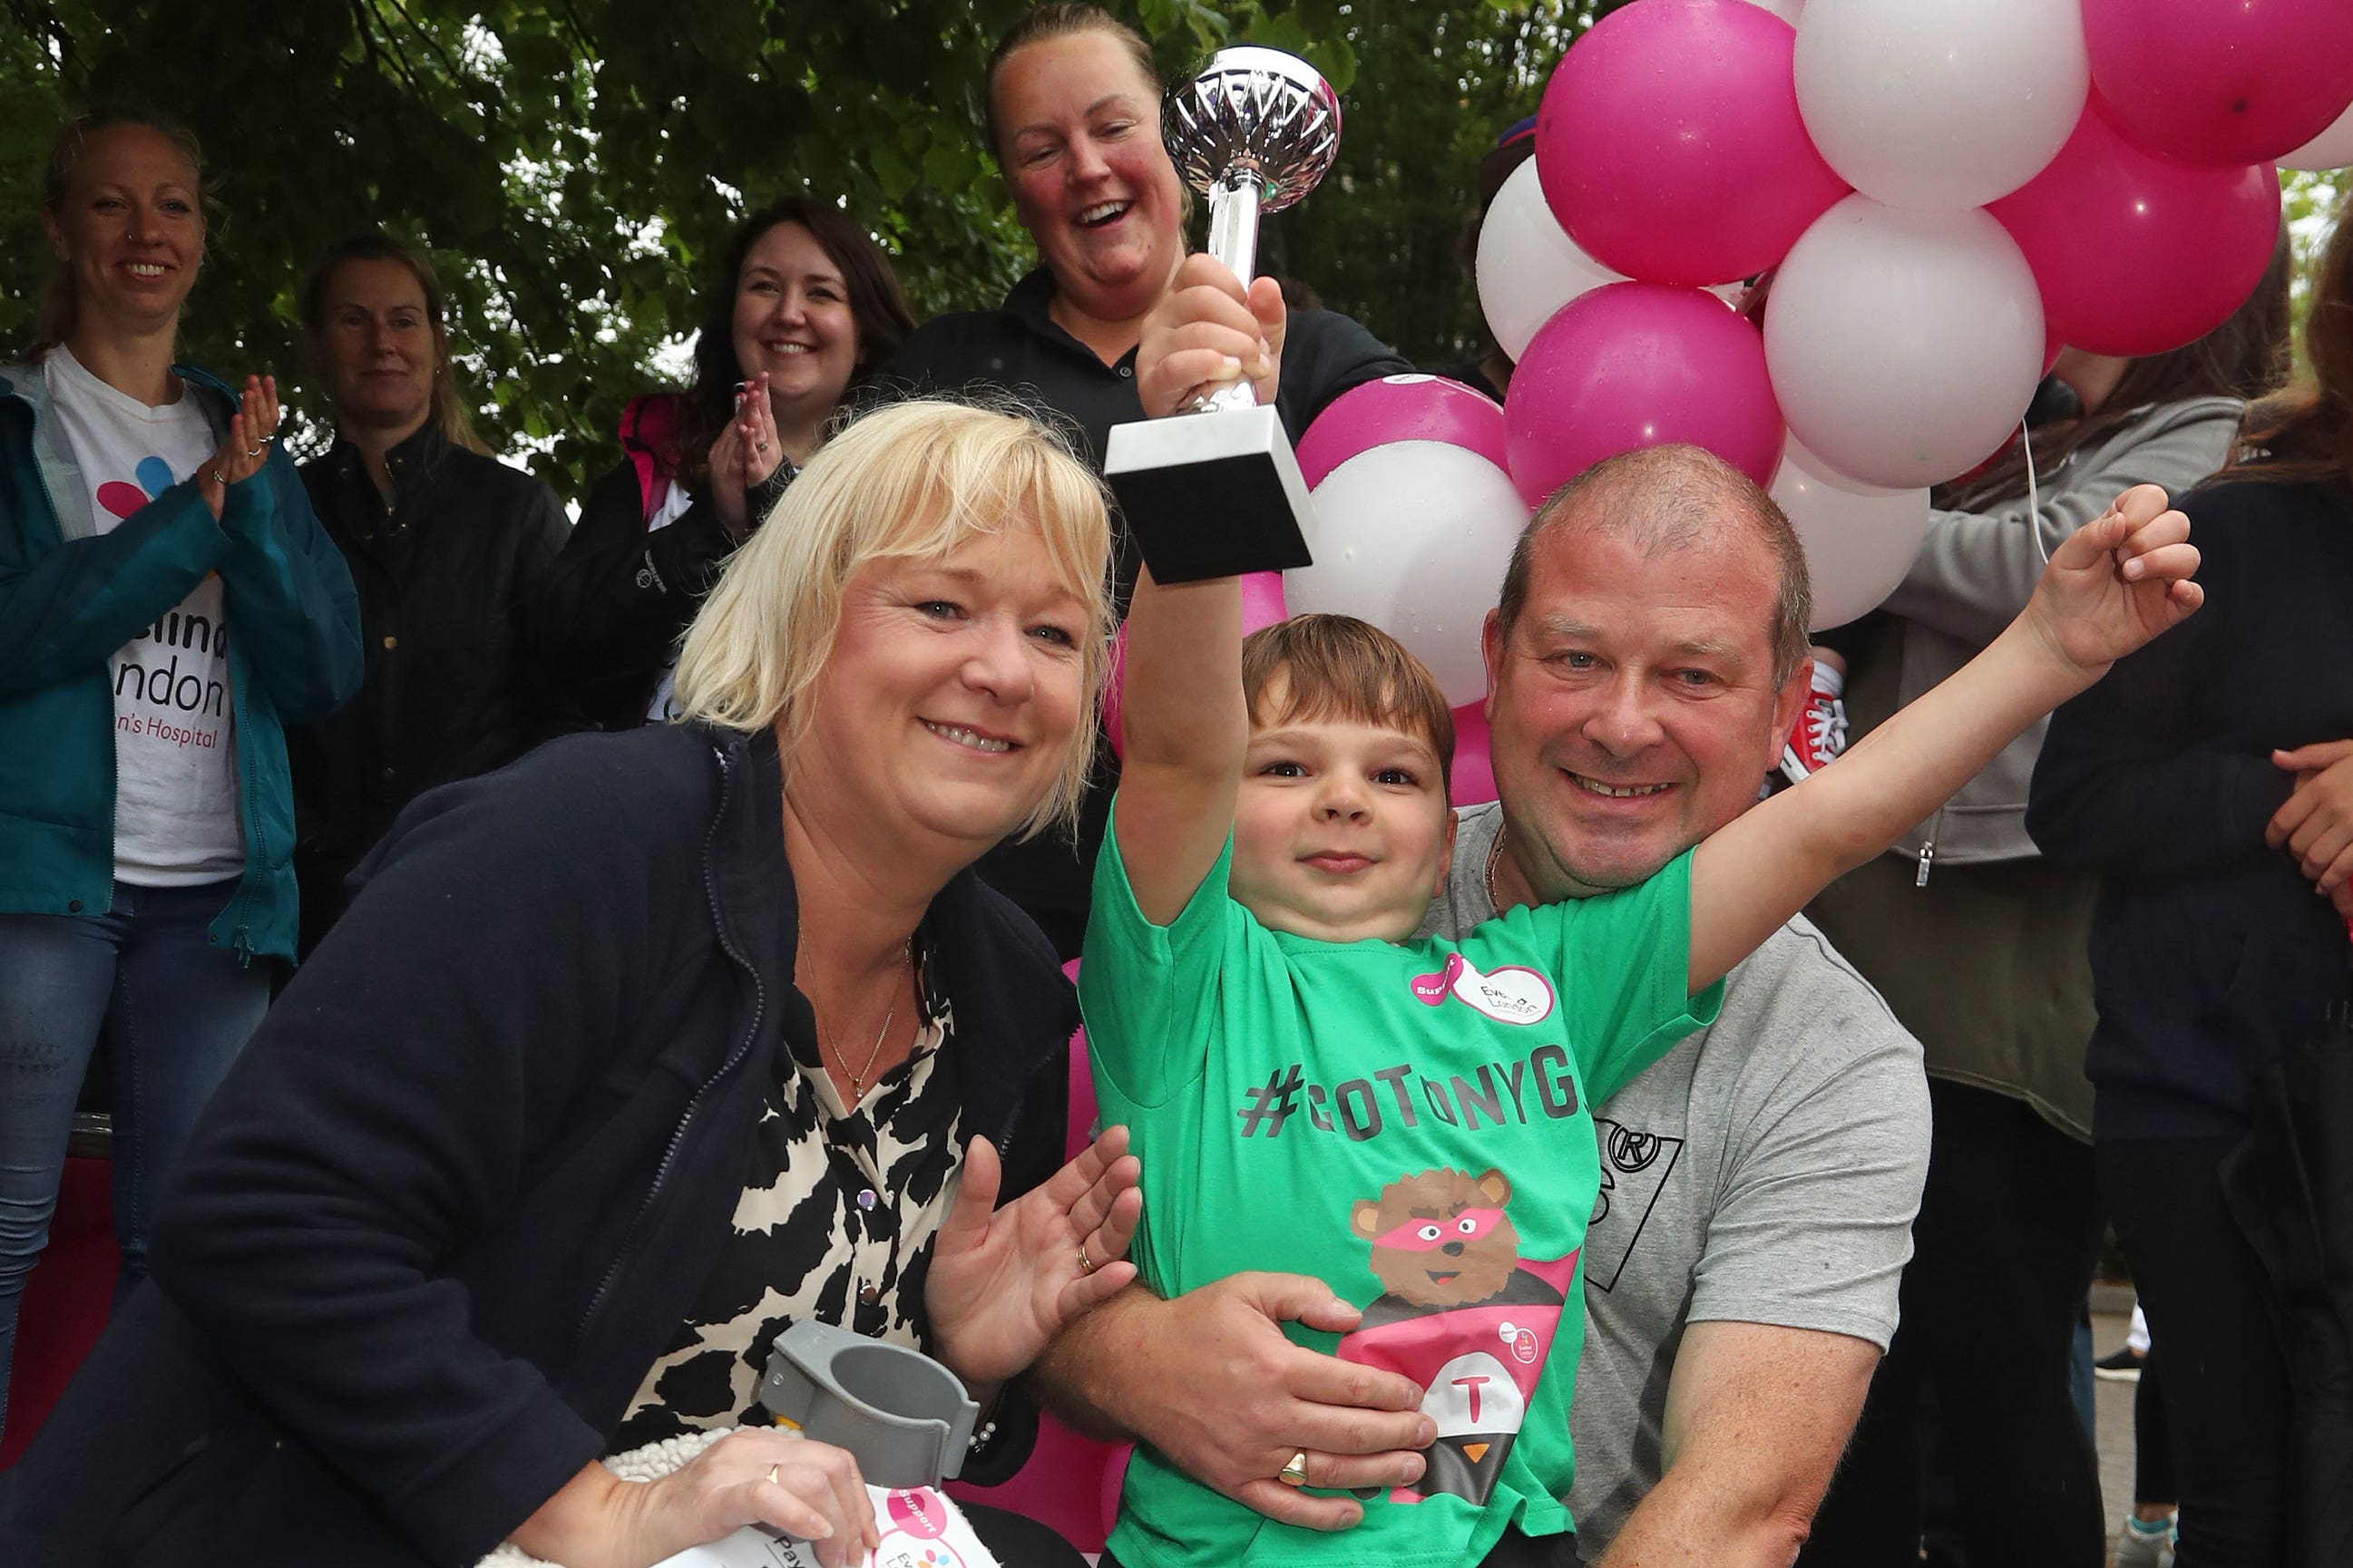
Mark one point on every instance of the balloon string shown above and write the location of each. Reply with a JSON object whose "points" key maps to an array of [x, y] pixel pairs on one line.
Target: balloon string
{"points": [[2033, 495]]}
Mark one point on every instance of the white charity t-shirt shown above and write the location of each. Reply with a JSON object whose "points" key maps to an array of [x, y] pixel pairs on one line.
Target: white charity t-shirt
{"points": [[175, 816]]}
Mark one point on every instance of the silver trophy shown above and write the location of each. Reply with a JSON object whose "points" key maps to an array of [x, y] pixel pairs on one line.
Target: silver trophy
{"points": [[1219, 492]]}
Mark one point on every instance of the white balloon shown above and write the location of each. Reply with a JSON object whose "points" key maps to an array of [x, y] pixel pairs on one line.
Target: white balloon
{"points": [[1527, 268], [2332, 149], [1414, 537], [1786, 9], [1940, 104], [1903, 345], [1859, 539]]}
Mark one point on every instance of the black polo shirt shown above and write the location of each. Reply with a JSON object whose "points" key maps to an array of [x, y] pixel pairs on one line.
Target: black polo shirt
{"points": [[1021, 348]]}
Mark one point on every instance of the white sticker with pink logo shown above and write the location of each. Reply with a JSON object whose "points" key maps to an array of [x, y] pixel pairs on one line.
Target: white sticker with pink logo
{"points": [[1512, 995], [921, 1529]]}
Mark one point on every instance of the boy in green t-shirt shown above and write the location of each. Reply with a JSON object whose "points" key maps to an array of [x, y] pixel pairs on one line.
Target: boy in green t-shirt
{"points": [[1311, 1090]]}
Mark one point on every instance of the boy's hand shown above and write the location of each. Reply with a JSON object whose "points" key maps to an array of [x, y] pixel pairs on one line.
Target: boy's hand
{"points": [[1206, 331], [2116, 583]]}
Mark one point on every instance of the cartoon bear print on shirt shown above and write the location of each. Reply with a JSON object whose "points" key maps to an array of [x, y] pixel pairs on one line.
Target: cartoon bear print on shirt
{"points": [[1463, 1314]]}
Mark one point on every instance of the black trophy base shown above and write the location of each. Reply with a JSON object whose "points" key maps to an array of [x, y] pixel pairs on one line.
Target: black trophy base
{"points": [[1211, 495]]}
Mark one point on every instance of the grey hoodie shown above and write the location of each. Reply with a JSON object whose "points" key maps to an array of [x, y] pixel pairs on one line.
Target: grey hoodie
{"points": [[1976, 569]]}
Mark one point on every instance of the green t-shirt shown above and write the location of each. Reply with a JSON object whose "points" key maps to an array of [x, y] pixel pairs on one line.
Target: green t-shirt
{"points": [[1408, 1122]]}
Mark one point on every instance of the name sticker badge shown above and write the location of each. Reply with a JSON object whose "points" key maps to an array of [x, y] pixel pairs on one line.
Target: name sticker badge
{"points": [[1512, 995]]}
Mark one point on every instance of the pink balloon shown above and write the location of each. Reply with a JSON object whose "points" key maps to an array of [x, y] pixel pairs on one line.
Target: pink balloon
{"points": [[1261, 606], [2222, 83], [2135, 254], [1263, 601], [1473, 776], [1401, 409], [1670, 147], [1640, 364]]}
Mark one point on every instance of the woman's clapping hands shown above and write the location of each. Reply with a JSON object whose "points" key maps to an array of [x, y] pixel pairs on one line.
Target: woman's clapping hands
{"points": [[245, 450], [744, 455]]}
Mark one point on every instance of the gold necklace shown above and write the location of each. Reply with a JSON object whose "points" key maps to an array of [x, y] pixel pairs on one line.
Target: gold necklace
{"points": [[824, 1035]]}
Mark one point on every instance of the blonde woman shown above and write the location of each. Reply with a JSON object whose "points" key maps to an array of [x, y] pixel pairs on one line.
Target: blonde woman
{"points": [[634, 1052], [168, 607]]}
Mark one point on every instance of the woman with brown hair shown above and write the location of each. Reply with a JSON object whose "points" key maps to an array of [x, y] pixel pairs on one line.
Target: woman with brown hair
{"points": [[2209, 782], [450, 550], [801, 310], [167, 603]]}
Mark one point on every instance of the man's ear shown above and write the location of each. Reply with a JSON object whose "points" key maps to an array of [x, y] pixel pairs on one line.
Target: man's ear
{"points": [[1491, 653], [1787, 704]]}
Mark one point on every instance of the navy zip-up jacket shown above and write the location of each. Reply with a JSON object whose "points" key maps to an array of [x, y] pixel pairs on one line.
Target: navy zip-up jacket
{"points": [[463, 1185], [2210, 952]]}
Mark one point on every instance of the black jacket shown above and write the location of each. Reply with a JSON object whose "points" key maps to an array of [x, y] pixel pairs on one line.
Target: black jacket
{"points": [[451, 578], [461, 1188], [2210, 952], [621, 597]]}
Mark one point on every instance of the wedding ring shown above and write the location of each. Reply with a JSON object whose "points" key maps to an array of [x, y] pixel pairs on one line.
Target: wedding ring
{"points": [[1086, 1263], [257, 451], [1294, 1474], [772, 1473], [218, 480]]}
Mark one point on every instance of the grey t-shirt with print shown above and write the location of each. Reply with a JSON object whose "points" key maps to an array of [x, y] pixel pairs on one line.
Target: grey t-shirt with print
{"points": [[1765, 1171]]}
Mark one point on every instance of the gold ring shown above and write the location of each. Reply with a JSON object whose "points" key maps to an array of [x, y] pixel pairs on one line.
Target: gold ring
{"points": [[1294, 1474], [772, 1473], [1086, 1263]]}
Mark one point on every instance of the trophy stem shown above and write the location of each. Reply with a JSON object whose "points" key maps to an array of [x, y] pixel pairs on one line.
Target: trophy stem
{"points": [[1233, 239], [1233, 224]]}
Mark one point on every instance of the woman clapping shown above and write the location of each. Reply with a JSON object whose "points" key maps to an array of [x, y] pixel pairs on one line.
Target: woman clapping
{"points": [[167, 601]]}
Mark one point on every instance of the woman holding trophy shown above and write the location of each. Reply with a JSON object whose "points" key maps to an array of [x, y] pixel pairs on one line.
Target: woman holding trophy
{"points": [[1074, 117]]}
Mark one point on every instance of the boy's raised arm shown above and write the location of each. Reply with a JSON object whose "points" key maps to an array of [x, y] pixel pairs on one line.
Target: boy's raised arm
{"points": [[1184, 728], [2117, 582]]}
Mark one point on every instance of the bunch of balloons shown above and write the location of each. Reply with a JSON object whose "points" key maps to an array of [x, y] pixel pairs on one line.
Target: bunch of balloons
{"points": [[1942, 191], [1932, 195]]}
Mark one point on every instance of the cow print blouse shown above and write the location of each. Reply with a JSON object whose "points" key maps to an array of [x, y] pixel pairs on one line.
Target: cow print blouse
{"points": [[836, 1222]]}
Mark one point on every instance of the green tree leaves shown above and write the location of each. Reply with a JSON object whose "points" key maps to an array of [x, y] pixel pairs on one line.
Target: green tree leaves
{"points": [[573, 163]]}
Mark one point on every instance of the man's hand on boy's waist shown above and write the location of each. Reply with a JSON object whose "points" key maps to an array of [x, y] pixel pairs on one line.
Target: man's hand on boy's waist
{"points": [[1209, 1381]]}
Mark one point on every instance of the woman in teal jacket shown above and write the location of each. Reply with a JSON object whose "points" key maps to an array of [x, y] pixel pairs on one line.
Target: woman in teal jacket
{"points": [[145, 815]]}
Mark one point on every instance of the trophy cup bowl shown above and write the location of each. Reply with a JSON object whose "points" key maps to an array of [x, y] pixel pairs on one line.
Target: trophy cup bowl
{"points": [[1217, 493], [1254, 114]]}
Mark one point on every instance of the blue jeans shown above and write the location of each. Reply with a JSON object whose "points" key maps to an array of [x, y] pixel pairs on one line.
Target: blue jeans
{"points": [[172, 1011]]}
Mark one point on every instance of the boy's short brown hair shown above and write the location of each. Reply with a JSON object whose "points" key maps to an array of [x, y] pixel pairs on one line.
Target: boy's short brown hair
{"points": [[1337, 666]]}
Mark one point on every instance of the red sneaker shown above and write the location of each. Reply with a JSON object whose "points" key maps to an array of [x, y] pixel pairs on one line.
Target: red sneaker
{"points": [[1819, 733]]}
